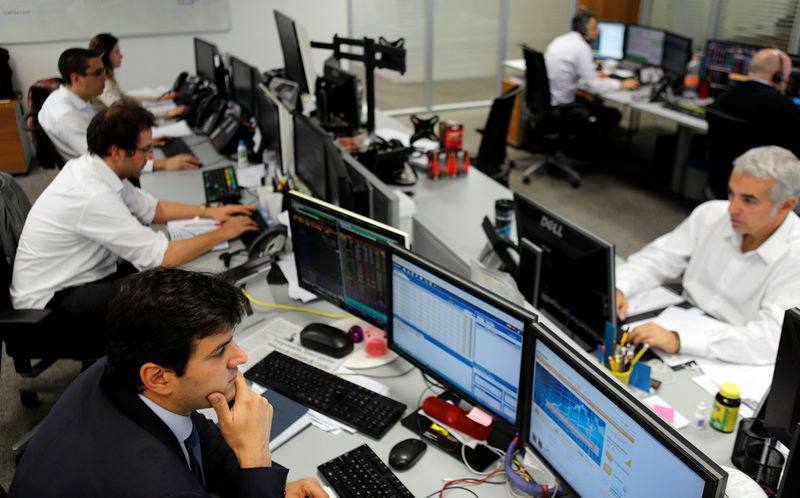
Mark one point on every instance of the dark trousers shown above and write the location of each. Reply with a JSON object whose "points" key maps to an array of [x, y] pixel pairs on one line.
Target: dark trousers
{"points": [[589, 121], [83, 307]]}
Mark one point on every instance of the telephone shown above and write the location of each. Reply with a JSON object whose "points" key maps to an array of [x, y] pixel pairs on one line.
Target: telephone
{"points": [[210, 104], [223, 135], [185, 85], [212, 115]]}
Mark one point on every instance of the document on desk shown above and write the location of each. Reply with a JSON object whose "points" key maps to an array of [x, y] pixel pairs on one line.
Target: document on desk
{"points": [[289, 270], [687, 321], [186, 229], [650, 300], [153, 92], [754, 380], [176, 129], [281, 335], [250, 176], [159, 105]]}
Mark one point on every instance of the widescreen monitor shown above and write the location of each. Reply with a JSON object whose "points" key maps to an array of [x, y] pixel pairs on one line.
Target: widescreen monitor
{"points": [[309, 155], [576, 277], [598, 437], [644, 45], [726, 63], [343, 257], [611, 42], [208, 64], [296, 48], [276, 127], [384, 201], [677, 52], [338, 98], [467, 338], [782, 412], [244, 80]]}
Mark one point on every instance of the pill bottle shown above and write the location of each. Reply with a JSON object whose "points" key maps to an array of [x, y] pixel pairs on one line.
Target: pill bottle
{"points": [[726, 407]]}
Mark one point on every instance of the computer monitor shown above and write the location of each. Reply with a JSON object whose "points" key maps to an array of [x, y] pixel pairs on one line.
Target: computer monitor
{"points": [[343, 257], [598, 437], [309, 155], [244, 80], [296, 48], [462, 335], [384, 201], [611, 42], [726, 63], [644, 45], [208, 64], [677, 52], [338, 99], [276, 127], [576, 279], [782, 412]]}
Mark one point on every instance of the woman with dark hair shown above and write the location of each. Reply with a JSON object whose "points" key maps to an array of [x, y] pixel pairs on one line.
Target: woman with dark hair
{"points": [[106, 46]]}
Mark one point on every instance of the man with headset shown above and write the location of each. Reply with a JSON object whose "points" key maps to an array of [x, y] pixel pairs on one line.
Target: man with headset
{"points": [[760, 101], [570, 65]]}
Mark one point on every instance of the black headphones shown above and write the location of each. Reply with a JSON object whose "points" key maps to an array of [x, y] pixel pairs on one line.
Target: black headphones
{"points": [[777, 78]]}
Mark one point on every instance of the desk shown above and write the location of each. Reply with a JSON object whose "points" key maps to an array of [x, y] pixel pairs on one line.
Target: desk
{"points": [[452, 209], [638, 101]]}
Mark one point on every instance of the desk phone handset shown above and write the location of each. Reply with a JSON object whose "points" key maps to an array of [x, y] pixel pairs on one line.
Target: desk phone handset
{"points": [[209, 110], [185, 85]]}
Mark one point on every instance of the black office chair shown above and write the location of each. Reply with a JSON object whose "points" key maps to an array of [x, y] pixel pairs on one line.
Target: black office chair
{"points": [[728, 137], [47, 156], [492, 158], [545, 132], [31, 334]]}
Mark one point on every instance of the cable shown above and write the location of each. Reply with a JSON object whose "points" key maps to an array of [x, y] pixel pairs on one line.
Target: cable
{"points": [[458, 487], [292, 308], [468, 481]]}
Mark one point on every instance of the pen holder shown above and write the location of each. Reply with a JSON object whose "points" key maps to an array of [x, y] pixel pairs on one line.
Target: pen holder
{"points": [[624, 377]]}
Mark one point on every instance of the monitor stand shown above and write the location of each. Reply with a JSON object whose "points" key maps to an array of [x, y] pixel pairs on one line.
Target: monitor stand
{"points": [[479, 458]]}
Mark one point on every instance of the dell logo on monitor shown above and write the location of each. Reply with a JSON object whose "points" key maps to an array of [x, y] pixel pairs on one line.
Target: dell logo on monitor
{"points": [[552, 226]]}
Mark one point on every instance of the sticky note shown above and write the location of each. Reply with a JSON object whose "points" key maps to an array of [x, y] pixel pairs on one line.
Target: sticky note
{"points": [[666, 412], [480, 417]]}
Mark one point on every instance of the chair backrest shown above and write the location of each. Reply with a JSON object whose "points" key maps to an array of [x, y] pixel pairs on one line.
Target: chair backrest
{"points": [[537, 92], [492, 151], [46, 154], [728, 137], [14, 207]]}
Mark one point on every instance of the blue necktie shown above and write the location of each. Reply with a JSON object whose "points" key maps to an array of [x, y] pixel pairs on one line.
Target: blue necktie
{"points": [[195, 458]]}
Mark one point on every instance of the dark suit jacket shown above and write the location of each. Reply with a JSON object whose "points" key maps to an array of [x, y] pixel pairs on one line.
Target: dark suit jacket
{"points": [[775, 119], [102, 441]]}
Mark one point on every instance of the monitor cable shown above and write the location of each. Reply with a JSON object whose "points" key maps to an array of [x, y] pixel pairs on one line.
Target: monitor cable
{"points": [[291, 308]]}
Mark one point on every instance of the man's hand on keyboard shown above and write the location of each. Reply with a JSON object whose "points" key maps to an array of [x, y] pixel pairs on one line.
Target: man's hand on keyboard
{"points": [[181, 161], [235, 226], [308, 487], [246, 425], [229, 211]]}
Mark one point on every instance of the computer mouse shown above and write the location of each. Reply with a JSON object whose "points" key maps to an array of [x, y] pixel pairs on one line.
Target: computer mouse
{"points": [[326, 339], [406, 453]]}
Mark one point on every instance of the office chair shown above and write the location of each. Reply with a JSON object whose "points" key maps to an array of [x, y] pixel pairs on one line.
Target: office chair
{"points": [[728, 137], [46, 153], [492, 158], [546, 132], [30, 334]]}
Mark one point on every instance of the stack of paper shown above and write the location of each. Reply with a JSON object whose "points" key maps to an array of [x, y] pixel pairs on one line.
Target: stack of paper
{"points": [[186, 229]]}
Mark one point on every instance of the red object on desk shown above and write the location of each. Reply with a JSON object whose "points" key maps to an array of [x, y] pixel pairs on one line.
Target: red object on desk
{"points": [[455, 417]]}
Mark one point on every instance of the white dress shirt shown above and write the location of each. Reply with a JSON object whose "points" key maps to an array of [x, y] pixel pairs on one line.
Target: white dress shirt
{"points": [[84, 221], [570, 65], [749, 291], [180, 425], [64, 117], [112, 94]]}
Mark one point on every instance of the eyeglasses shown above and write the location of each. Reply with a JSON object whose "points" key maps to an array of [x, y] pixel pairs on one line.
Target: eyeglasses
{"points": [[100, 72], [145, 150]]}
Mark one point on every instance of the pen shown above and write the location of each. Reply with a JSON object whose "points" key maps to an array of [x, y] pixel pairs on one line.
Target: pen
{"points": [[624, 337], [640, 353]]}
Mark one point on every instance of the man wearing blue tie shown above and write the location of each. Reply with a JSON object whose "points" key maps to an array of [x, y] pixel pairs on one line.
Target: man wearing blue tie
{"points": [[127, 426]]}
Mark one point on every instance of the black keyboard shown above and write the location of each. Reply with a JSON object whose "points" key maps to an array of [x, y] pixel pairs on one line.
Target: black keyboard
{"points": [[175, 147], [248, 237], [220, 185], [365, 410], [360, 473]]}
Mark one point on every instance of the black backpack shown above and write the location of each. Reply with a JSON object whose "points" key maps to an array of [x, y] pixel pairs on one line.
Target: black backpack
{"points": [[6, 90]]}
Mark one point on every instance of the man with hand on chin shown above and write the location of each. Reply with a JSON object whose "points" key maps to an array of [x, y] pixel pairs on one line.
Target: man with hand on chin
{"points": [[740, 262], [128, 425]]}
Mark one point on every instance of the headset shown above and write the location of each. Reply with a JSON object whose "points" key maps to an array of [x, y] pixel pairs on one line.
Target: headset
{"points": [[580, 22], [777, 78], [540, 490]]}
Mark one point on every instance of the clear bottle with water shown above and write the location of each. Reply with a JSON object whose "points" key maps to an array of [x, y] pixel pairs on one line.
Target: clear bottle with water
{"points": [[691, 80], [241, 155]]}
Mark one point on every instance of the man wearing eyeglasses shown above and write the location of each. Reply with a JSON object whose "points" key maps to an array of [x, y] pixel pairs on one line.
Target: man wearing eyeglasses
{"points": [[66, 113], [89, 228]]}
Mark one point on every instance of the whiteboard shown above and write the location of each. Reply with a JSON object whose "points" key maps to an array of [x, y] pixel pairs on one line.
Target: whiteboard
{"points": [[26, 21]]}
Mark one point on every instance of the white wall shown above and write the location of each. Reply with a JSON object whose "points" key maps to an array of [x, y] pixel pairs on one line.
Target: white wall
{"points": [[155, 60]]}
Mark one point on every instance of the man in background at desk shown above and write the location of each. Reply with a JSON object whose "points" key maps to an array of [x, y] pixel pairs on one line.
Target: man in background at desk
{"points": [[740, 261], [760, 101], [570, 65], [90, 217], [127, 426], [67, 111]]}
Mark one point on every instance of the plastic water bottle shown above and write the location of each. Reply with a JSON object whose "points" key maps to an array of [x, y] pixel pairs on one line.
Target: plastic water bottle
{"points": [[241, 155], [691, 79]]}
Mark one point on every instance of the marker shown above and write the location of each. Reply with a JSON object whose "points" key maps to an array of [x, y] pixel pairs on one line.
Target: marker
{"points": [[640, 353]]}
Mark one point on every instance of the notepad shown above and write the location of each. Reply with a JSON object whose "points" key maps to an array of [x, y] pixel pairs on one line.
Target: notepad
{"points": [[288, 418]]}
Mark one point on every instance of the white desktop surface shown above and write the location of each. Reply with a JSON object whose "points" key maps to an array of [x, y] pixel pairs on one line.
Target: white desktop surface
{"points": [[454, 207]]}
